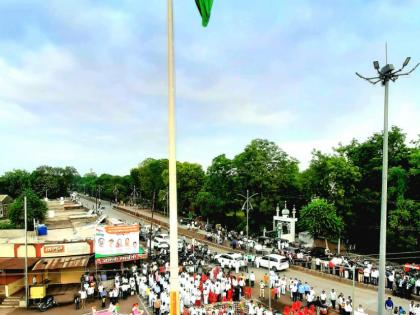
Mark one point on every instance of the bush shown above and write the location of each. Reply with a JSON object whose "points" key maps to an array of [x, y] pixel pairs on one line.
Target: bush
{"points": [[6, 224]]}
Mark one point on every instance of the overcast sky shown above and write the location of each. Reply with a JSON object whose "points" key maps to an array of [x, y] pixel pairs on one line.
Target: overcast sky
{"points": [[83, 83]]}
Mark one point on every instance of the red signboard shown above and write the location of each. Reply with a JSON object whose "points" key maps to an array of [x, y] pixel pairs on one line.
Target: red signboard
{"points": [[53, 249], [118, 259]]}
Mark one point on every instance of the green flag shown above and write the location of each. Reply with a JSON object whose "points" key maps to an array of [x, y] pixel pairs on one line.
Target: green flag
{"points": [[204, 7]]}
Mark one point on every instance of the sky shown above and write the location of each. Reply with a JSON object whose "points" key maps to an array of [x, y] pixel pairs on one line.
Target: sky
{"points": [[84, 83]]}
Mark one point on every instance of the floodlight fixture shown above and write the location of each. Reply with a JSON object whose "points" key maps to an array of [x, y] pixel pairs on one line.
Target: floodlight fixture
{"points": [[376, 64], [407, 60]]}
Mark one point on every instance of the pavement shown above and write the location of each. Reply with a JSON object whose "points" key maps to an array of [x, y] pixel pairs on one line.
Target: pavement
{"points": [[125, 305], [366, 297]]}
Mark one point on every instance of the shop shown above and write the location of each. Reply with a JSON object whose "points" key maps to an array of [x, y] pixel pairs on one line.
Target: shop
{"points": [[12, 275], [62, 270]]}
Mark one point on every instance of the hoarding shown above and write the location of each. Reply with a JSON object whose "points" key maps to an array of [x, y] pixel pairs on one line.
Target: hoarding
{"points": [[119, 259], [116, 240]]}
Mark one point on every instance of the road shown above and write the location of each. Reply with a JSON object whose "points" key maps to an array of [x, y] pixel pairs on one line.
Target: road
{"points": [[366, 297]]}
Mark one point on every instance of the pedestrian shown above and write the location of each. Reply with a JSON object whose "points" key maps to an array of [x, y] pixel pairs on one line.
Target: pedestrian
{"points": [[252, 279], [411, 308], [389, 305], [156, 306], [348, 308], [333, 298], [262, 287], [323, 297], [77, 301], [83, 296], [103, 298]]}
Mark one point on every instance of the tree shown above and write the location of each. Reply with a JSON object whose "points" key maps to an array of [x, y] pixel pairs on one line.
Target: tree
{"points": [[266, 169], [320, 218], [218, 195], [36, 209], [14, 182], [189, 178], [149, 178], [334, 178], [55, 181], [404, 226], [365, 205]]}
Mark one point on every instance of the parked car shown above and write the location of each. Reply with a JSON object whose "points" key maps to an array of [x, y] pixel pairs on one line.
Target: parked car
{"points": [[319, 252], [230, 260], [273, 261]]}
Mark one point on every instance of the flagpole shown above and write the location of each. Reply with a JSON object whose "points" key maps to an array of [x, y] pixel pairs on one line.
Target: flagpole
{"points": [[173, 211]]}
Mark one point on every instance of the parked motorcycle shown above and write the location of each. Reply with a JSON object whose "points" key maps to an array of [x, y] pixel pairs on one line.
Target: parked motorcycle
{"points": [[46, 303]]}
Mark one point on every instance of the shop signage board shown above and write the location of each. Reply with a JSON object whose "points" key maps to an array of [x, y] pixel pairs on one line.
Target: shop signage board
{"points": [[65, 249], [119, 259], [117, 240]]}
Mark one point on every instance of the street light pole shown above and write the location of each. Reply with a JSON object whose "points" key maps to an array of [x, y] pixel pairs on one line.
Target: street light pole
{"points": [[385, 74], [247, 206]]}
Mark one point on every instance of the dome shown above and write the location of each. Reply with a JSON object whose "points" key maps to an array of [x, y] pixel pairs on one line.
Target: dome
{"points": [[285, 211]]}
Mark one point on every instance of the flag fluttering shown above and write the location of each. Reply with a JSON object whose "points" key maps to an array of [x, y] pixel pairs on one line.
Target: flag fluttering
{"points": [[204, 7]]}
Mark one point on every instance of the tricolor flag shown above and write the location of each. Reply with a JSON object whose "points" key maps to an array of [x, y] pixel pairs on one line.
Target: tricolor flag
{"points": [[204, 7]]}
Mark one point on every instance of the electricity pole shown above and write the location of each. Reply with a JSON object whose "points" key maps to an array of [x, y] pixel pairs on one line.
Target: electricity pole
{"points": [[115, 191], [386, 74]]}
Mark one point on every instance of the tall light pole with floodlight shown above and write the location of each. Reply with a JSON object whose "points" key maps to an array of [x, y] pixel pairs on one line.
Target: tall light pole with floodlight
{"points": [[384, 75], [246, 207]]}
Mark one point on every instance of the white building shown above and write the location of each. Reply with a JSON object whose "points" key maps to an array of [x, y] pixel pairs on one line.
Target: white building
{"points": [[285, 224]]}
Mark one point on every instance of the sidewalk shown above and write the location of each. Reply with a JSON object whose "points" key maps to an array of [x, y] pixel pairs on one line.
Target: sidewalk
{"points": [[125, 305]]}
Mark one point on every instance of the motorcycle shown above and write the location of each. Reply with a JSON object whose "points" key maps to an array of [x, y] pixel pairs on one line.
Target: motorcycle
{"points": [[46, 303]]}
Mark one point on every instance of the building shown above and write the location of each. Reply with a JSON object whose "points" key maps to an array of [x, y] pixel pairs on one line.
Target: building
{"points": [[285, 224], [5, 200]]}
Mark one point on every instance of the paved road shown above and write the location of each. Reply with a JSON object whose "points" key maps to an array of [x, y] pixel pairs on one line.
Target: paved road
{"points": [[366, 297]]}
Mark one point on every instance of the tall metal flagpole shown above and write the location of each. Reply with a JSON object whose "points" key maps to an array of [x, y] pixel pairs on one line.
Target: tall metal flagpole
{"points": [[26, 250], [173, 211]]}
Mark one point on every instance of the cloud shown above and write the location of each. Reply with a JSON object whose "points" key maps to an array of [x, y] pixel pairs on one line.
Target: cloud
{"points": [[13, 115], [89, 78]]}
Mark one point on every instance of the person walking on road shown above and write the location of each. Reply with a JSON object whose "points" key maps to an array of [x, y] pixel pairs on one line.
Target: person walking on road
{"points": [[389, 305]]}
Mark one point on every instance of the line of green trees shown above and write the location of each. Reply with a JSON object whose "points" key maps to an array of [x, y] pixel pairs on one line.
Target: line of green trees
{"points": [[338, 195]]}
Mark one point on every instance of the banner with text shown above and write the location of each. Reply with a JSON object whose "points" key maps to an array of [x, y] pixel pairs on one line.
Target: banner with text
{"points": [[117, 240]]}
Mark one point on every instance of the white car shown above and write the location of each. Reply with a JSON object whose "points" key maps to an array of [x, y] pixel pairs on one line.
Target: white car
{"points": [[230, 260], [158, 244], [273, 261], [162, 237]]}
